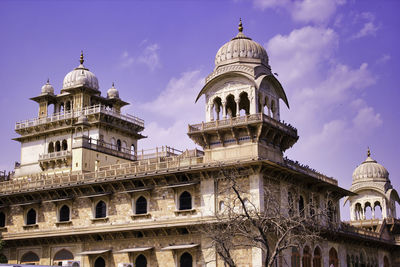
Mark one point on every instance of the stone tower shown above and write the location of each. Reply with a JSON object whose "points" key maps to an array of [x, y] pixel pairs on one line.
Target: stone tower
{"points": [[242, 106], [83, 131], [375, 193]]}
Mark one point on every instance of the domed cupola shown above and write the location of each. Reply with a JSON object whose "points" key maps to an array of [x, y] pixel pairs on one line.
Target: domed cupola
{"points": [[241, 49], [370, 170], [112, 92], [47, 88], [81, 76]]}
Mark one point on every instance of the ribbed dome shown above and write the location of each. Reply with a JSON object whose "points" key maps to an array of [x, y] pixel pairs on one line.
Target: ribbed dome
{"points": [[112, 92], [241, 48], [370, 169], [81, 76], [47, 88]]}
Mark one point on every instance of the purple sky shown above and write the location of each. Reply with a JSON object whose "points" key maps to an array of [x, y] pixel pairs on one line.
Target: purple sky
{"points": [[337, 60]]}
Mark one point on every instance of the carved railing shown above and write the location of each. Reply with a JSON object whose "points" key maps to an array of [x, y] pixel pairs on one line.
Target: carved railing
{"points": [[307, 170], [55, 155], [76, 113], [242, 120]]}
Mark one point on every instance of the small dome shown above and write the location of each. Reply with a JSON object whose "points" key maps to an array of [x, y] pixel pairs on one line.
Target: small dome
{"points": [[241, 48], [81, 76], [370, 169], [47, 88], [112, 92]]}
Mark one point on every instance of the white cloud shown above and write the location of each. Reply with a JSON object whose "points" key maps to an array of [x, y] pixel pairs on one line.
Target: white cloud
{"points": [[324, 94], [383, 59], [172, 110], [369, 27], [126, 60], [317, 11], [150, 56]]}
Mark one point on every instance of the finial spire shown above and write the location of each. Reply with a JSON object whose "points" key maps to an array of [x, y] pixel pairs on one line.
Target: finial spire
{"points": [[240, 25], [112, 84], [48, 80], [369, 152], [81, 59]]}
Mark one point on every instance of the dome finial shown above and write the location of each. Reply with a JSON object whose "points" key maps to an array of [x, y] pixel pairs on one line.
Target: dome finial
{"points": [[48, 80], [112, 84], [81, 59], [240, 25], [369, 152]]}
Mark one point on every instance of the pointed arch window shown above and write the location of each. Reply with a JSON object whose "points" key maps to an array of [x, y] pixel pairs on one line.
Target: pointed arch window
{"points": [[141, 205], [31, 217], [186, 260], [100, 262], [306, 257], [141, 261], [185, 201], [101, 210], [64, 214], [317, 257], [30, 258]]}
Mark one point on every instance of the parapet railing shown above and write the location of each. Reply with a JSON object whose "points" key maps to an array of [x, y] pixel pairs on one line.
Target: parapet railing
{"points": [[54, 155], [76, 113], [344, 227], [234, 121], [307, 170]]}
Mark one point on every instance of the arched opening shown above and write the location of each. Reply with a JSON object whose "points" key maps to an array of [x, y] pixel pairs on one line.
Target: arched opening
{"points": [[221, 206], [30, 258], [141, 261], [317, 257], [62, 255], [112, 141], [230, 106], [244, 104], [273, 109], [362, 260], [186, 260], [68, 106], [100, 262], [61, 110], [331, 212], [50, 149], [101, 209], [64, 214], [358, 211], [64, 145], [58, 146], [119, 145], [295, 258], [333, 258], [2, 219], [290, 204], [267, 110], [185, 201], [124, 146], [377, 210], [3, 258], [301, 206], [217, 108], [306, 257], [386, 262], [141, 205], [50, 109], [31, 217], [368, 211]]}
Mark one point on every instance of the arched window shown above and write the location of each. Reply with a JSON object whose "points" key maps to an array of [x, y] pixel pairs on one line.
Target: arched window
{"points": [[101, 209], [30, 258], [290, 204], [51, 147], [62, 255], [100, 262], [377, 210], [368, 211], [133, 149], [64, 214], [58, 146], [266, 106], [141, 205], [358, 211], [31, 217], [185, 201], [2, 219], [112, 140], [141, 261], [306, 257], [317, 257], [119, 145], [221, 206], [124, 146], [244, 103], [333, 258], [273, 109], [217, 108], [295, 258], [186, 260], [386, 262], [230, 106], [64, 145], [68, 106], [301, 206]]}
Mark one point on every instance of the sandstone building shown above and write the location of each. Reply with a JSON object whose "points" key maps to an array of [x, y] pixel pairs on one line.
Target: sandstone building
{"points": [[85, 191]]}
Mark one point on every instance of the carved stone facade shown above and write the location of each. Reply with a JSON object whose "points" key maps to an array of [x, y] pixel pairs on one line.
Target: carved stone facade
{"points": [[84, 192]]}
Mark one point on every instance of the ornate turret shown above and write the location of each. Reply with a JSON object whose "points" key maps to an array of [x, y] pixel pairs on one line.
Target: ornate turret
{"points": [[375, 193], [242, 105]]}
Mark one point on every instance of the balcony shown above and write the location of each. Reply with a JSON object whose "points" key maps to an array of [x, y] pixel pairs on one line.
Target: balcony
{"points": [[97, 109], [55, 160]]}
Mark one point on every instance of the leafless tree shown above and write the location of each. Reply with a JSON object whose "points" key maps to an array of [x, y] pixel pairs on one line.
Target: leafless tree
{"points": [[278, 226]]}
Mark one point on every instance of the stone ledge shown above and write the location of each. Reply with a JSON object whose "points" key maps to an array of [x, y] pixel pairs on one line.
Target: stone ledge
{"points": [[138, 216], [30, 226], [3, 229], [94, 220], [63, 223], [185, 212]]}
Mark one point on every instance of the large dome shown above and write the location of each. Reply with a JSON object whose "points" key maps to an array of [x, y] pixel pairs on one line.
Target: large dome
{"points": [[81, 76], [370, 170], [241, 48]]}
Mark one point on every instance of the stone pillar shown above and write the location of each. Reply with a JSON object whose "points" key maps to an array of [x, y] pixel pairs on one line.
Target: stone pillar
{"points": [[211, 107], [253, 103], [257, 191], [224, 110], [237, 101], [256, 257], [207, 197]]}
